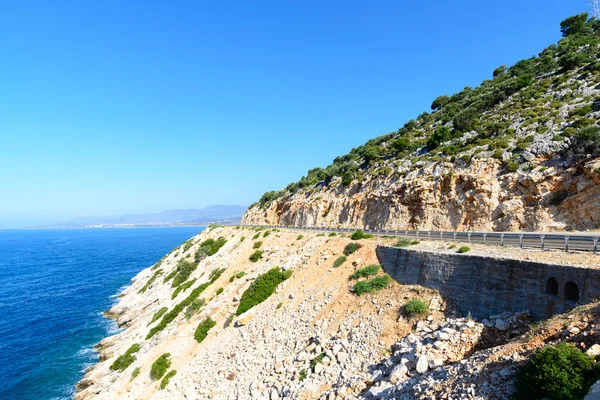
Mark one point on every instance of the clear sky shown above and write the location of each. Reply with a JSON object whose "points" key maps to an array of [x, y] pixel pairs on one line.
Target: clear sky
{"points": [[129, 106]]}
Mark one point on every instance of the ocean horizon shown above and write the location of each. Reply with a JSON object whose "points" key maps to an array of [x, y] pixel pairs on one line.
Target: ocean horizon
{"points": [[55, 285]]}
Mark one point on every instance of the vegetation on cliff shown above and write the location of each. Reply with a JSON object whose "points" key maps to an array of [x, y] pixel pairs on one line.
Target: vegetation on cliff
{"points": [[543, 105], [263, 287], [125, 360]]}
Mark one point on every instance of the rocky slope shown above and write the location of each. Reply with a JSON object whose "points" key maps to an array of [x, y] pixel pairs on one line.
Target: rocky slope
{"points": [[313, 338], [519, 152]]}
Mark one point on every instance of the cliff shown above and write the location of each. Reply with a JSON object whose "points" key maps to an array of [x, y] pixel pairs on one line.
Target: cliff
{"points": [[519, 152]]}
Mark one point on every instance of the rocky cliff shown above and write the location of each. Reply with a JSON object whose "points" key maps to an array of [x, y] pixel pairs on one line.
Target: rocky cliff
{"points": [[442, 196], [519, 152]]}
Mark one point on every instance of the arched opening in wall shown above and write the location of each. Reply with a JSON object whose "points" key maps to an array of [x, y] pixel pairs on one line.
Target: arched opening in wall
{"points": [[571, 293], [552, 287]]}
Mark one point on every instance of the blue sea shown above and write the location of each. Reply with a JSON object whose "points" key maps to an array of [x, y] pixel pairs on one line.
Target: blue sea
{"points": [[54, 286]]}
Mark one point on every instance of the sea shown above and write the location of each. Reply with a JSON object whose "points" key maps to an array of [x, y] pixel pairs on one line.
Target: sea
{"points": [[55, 285]]}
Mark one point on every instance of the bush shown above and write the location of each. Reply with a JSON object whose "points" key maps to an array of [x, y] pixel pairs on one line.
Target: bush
{"points": [[299, 237], [157, 315], [240, 274], [150, 281], [303, 375], [339, 261], [209, 247], [183, 287], [350, 248], [187, 245], [257, 255], [219, 291], [263, 287], [373, 285], [135, 372], [317, 360], [512, 166], [267, 233], [125, 360], [167, 378], [193, 308], [463, 249], [332, 234], [257, 245], [203, 328], [416, 307], [184, 270], [405, 242], [242, 238], [256, 236], [561, 372], [360, 235], [369, 270], [160, 366], [586, 141]]}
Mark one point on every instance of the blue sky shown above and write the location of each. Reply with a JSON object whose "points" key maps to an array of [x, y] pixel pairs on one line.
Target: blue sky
{"points": [[113, 107]]}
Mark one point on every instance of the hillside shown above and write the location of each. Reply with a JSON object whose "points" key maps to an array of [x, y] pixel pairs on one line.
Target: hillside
{"points": [[519, 152], [188, 333]]}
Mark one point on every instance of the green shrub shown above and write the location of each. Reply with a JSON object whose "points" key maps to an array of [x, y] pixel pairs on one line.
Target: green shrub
{"points": [[256, 236], [512, 166], [463, 249], [405, 242], [267, 233], [240, 274], [157, 315], [219, 291], [332, 234], [257, 255], [263, 287], [466, 158], [317, 360], [373, 285], [303, 375], [369, 270], [187, 245], [350, 248], [360, 235], [242, 238], [257, 245], [209, 247], [299, 237], [184, 270], [167, 378], [203, 328], [561, 372], [279, 305], [585, 141], [160, 366], [182, 288], [415, 307], [135, 372], [125, 360], [452, 246], [150, 281], [339, 261], [193, 308]]}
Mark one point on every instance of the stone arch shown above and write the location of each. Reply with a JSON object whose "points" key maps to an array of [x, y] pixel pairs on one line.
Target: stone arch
{"points": [[571, 293], [552, 286]]}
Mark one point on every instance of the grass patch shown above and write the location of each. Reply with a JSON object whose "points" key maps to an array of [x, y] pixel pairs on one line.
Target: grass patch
{"points": [[303, 375], [350, 248], [299, 237], [452, 246], [279, 305], [160, 366], [219, 291], [193, 308], [203, 328], [332, 234], [360, 235], [405, 242], [257, 245], [267, 233], [372, 285], [257, 255], [135, 373], [463, 249], [167, 378], [416, 308], [339, 261], [157, 315], [125, 360], [150, 281], [256, 236], [369, 270], [182, 288], [240, 274], [263, 287]]}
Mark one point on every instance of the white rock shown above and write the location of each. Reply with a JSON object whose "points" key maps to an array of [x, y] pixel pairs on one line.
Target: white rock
{"points": [[594, 350], [399, 373], [422, 364]]}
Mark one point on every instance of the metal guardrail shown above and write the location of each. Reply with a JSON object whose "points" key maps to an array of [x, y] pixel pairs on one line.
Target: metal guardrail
{"points": [[531, 240]]}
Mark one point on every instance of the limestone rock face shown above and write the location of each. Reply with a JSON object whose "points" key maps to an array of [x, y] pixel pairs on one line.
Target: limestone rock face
{"points": [[440, 196]]}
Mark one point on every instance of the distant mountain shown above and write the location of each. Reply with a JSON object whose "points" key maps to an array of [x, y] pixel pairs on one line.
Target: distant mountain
{"points": [[224, 214]]}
